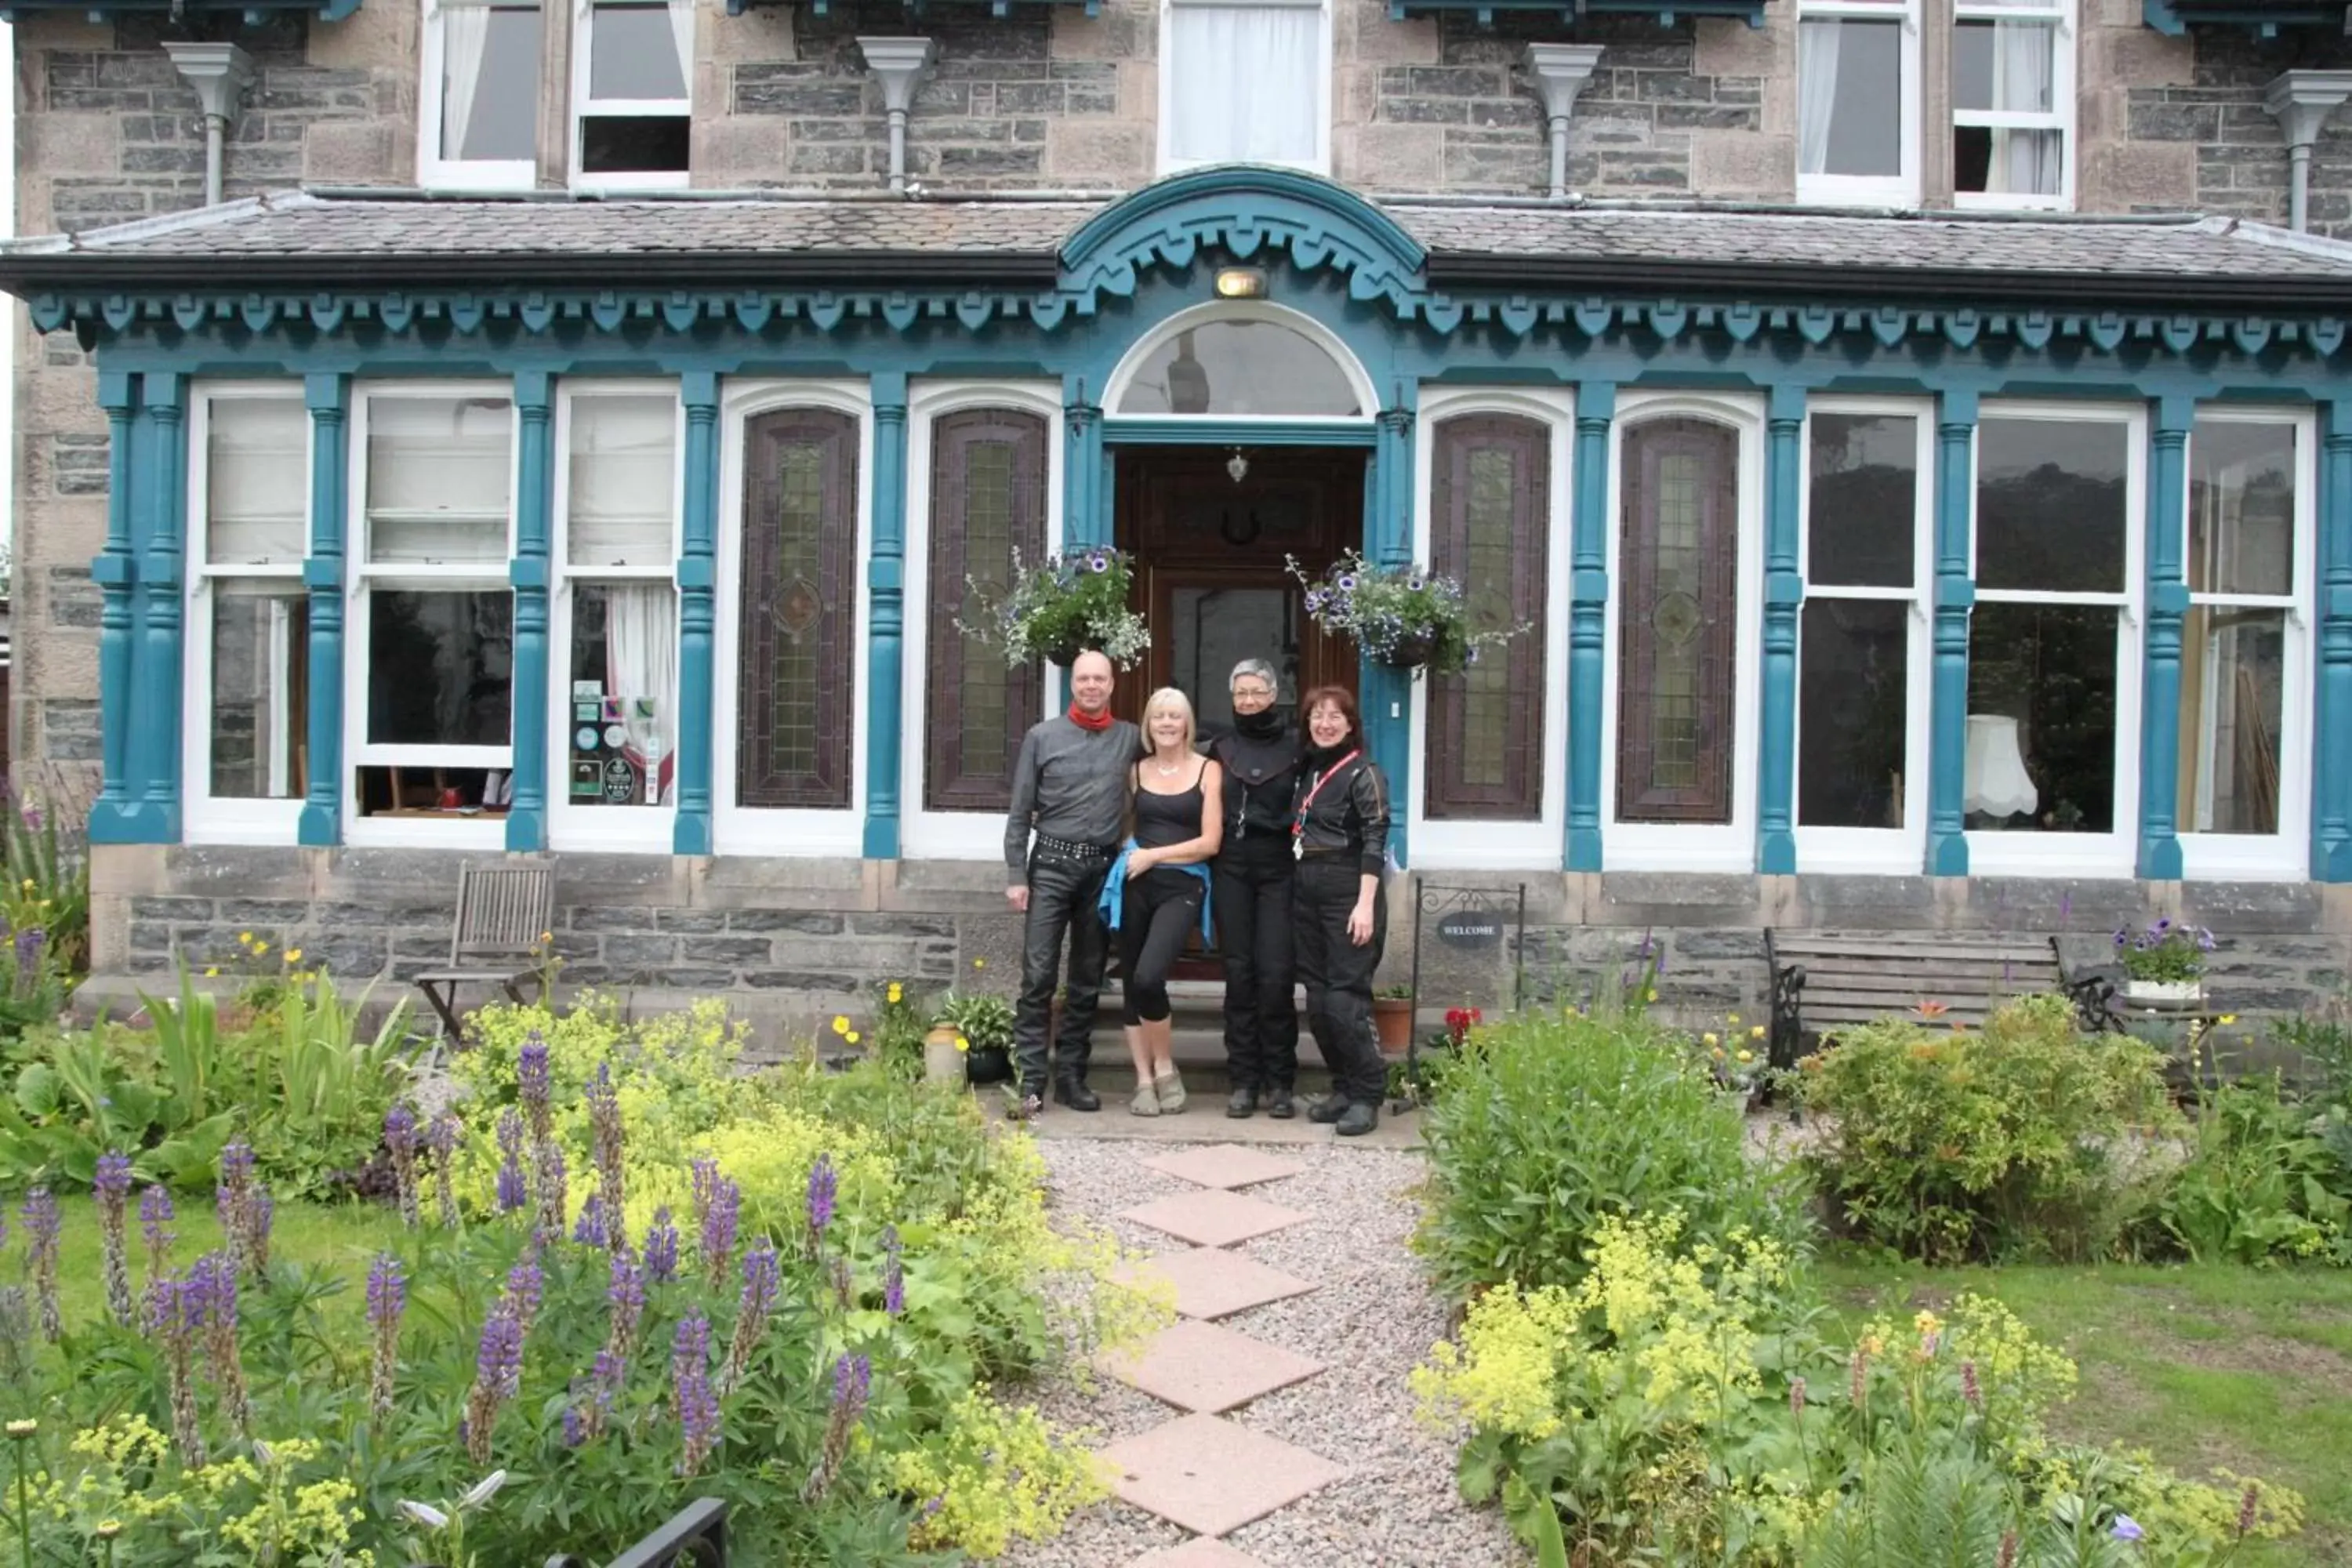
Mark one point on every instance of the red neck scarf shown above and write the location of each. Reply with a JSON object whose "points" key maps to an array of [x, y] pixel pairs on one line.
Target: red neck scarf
{"points": [[1085, 721]]}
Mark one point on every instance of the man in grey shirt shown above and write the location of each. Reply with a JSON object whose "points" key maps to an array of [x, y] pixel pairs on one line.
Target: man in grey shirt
{"points": [[1069, 788]]}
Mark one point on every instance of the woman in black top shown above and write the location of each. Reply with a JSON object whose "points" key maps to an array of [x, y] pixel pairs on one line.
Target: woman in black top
{"points": [[1339, 831], [1177, 828], [1252, 877]]}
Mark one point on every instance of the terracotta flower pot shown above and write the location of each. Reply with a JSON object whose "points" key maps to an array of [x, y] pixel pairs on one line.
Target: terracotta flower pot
{"points": [[1392, 1021]]}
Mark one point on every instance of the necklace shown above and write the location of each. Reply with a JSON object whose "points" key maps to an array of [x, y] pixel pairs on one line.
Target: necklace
{"points": [[1165, 770]]}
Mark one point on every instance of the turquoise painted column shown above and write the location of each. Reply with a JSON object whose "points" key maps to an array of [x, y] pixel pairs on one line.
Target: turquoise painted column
{"points": [[116, 572], [698, 581], [534, 479], [1588, 619], [1388, 693], [1085, 515], [886, 652], [2168, 603], [155, 677], [329, 399], [1955, 594], [1784, 594], [2331, 858]]}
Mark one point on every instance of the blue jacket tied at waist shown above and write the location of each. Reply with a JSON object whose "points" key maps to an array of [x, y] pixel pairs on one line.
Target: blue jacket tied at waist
{"points": [[1113, 902]]}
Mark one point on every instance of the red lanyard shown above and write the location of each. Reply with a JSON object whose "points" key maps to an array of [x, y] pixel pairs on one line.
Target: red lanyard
{"points": [[1299, 826]]}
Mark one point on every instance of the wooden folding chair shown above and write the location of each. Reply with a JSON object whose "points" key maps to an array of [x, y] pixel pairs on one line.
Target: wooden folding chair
{"points": [[502, 911]]}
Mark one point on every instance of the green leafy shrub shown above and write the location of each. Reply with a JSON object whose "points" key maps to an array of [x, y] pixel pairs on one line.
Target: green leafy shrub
{"points": [[2010, 1142], [1681, 1404], [44, 910], [2255, 1186], [1545, 1124]]}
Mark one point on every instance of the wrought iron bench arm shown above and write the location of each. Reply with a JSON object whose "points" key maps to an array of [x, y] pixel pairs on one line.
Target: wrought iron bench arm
{"points": [[695, 1537]]}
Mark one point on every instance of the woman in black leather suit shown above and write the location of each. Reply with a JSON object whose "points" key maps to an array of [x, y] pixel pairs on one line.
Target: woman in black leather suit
{"points": [[1339, 832]]}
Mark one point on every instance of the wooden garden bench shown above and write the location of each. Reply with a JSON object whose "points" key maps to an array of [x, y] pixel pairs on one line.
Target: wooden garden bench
{"points": [[1822, 980], [503, 910]]}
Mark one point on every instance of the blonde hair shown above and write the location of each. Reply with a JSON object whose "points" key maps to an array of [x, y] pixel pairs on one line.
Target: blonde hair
{"points": [[1169, 697]]}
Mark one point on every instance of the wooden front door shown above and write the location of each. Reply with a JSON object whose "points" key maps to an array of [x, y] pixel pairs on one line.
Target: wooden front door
{"points": [[1678, 553], [1210, 567]]}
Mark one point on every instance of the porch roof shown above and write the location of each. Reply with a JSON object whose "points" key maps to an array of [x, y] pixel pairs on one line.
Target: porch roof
{"points": [[403, 239]]}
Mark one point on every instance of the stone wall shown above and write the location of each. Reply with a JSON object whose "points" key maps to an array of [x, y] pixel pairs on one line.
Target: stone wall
{"points": [[106, 132], [790, 941]]}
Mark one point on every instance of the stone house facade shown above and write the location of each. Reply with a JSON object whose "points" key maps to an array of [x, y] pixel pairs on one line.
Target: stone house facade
{"points": [[1017, 135]]}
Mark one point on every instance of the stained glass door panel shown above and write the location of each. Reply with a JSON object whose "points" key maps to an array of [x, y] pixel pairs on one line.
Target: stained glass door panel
{"points": [[1678, 609]]}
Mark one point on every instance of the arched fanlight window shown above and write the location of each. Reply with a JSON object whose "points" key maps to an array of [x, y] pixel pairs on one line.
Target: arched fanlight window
{"points": [[1244, 367]]}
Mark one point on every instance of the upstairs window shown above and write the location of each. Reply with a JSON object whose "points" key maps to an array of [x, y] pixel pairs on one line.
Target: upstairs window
{"points": [[1245, 81], [1857, 101], [2012, 103], [632, 107], [481, 94]]}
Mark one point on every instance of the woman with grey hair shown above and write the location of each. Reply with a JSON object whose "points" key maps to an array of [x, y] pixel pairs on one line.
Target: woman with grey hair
{"points": [[1251, 879]]}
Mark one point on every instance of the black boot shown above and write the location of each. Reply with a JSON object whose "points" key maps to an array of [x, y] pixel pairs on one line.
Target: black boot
{"points": [[1329, 1109], [1074, 1093], [1278, 1105], [1242, 1104], [1358, 1119]]}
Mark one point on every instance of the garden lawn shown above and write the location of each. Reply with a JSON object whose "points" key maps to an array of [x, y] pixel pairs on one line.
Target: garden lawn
{"points": [[338, 1239], [2247, 1369]]}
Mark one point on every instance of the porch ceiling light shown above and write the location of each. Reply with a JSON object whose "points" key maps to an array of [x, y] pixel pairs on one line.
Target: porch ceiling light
{"points": [[1241, 283], [1237, 466]]}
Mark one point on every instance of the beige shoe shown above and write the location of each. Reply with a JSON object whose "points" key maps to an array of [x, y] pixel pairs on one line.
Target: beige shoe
{"points": [[1146, 1101], [1171, 1093]]}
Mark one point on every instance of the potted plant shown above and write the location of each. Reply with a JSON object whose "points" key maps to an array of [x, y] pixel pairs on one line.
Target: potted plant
{"points": [[1392, 1019], [979, 1033], [1059, 608], [2164, 964], [1401, 617]]}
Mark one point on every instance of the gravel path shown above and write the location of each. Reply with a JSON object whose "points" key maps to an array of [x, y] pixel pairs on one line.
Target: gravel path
{"points": [[1371, 1317]]}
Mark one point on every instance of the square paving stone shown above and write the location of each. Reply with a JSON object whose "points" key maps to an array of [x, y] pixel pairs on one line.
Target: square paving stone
{"points": [[1212, 1282], [1214, 1218], [1201, 1552], [1202, 1367], [1225, 1165], [1213, 1476]]}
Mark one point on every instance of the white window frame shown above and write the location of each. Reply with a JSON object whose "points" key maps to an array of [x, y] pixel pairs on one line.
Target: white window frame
{"points": [[1132, 363], [1995, 853], [2284, 855], [1876, 849], [924, 834], [2062, 117], [1902, 188], [580, 105], [1691, 846], [647, 829], [435, 172], [795, 831], [1321, 163], [207, 818], [1449, 843], [478, 833]]}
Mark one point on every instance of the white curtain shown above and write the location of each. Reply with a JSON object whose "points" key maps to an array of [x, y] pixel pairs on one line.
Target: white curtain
{"points": [[2024, 162], [1817, 69], [640, 661], [681, 26], [465, 37], [1245, 83]]}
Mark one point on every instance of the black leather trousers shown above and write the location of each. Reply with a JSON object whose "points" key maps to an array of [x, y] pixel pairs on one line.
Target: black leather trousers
{"points": [[1062, 900], [1253, 908], [1337, 975]]}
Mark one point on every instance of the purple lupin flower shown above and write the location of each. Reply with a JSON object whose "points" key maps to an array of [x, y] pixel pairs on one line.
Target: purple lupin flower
{"points": [[661, 1249], [589, 1230], [822, 1186], [387, 1299], [575, 1430], [497, 1377], [762, 1273], [555, 1189], [111, 1183], [42, 1228], [605, 1376], [400, 1140], [533, 1086], [894, 1272], [626, 1294], [692, 1399], [232, 1203], [29, 944], [214, 1275], [851, 1382], [525, 1288], [441, 1137], [608, 1142], [155, 1217], [176, 1314], [261, 1213], [718, 1221]]}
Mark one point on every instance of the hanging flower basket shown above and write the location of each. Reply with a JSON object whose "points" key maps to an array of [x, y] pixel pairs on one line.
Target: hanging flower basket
{"points": [[1060, 607], [1398, 617]]}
